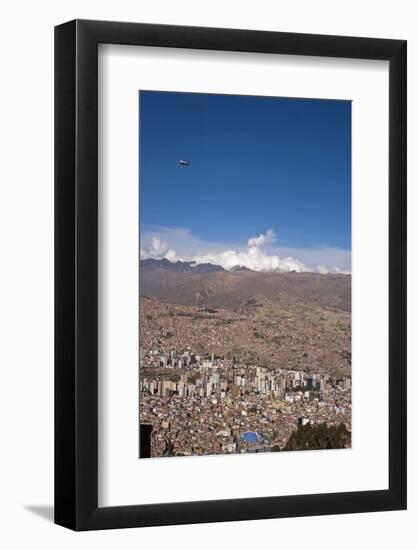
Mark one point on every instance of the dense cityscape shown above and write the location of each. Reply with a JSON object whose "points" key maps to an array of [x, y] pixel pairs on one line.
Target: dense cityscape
{"points": [[208, 406], [198, 403]]}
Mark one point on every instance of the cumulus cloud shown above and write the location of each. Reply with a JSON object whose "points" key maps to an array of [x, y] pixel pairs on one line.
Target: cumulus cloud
{"points": [[260, 240], [254, 257], [158, 250], [257, 256]]}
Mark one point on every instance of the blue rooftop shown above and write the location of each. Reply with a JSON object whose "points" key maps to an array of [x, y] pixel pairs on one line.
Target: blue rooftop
{"points": [[252, 437]]}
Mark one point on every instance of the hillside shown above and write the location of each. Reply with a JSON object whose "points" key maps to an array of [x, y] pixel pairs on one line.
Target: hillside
{"points": [[287, 320], [211, 286]]}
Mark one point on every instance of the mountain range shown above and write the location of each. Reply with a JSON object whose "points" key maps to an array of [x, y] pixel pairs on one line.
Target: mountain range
{"points": [[210, 285]]}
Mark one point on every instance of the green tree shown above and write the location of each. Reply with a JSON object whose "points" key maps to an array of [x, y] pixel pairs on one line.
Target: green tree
{"points": [[320, 436]]}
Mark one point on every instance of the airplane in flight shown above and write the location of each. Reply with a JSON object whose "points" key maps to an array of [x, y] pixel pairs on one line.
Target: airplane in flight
{"points": [[185, 162]]}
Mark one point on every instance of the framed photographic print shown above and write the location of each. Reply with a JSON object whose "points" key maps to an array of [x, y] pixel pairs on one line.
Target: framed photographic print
{"points": [[230, 255]]}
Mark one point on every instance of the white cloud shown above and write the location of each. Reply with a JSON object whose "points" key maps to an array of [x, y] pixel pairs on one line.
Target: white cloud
{"points": [[157, 250], [258, 255], [255, 257], [260, 240]]}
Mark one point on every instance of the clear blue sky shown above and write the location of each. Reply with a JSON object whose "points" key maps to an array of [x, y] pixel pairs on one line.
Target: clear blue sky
{"points": [[256, 163]]}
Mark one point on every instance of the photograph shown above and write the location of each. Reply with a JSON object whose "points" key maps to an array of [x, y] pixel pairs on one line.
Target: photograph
{"points": [[208, 237], [245, 274]]}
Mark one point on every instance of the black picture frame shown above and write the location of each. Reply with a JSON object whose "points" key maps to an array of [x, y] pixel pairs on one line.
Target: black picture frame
{"points": [[76, 272]]}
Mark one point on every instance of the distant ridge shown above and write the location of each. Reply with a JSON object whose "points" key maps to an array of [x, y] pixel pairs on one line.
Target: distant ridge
{"points": [[210, 285], [240, 268], [180, 267]]}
